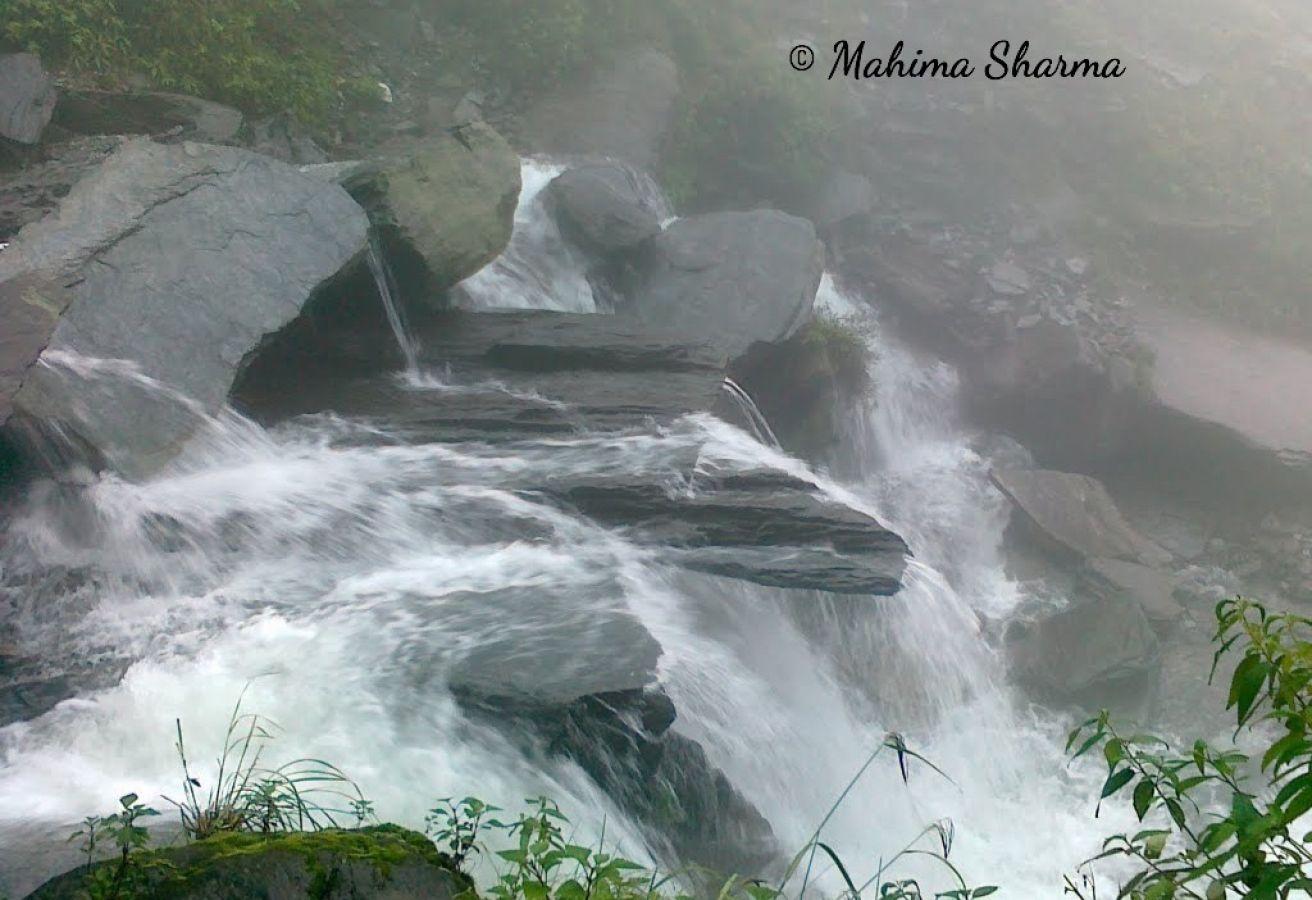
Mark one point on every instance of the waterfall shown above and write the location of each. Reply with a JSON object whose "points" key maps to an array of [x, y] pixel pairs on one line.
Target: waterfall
{"points": [[395, 316], [540, 269], [347, 575], [751, 412]]}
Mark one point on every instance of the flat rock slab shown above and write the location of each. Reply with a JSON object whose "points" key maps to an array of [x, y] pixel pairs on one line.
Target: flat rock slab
{"points": [[147, 112], [1254, 385], [1077, 513]]}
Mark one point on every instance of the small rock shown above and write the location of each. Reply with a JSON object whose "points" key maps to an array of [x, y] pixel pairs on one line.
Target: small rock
{"points": [[27, 98], [384, 92], [1008, 278], [1077, 265]]}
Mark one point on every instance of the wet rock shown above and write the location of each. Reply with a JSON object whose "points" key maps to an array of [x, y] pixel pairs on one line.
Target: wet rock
{"points": [[607, 208], [27, 97], [384, 862], [523, 376], [446, 209], [147, 112], [180, 261], [730, 278], [1096, 653], [1075, 512], [807, 385], [664, 780], [622, 113]]}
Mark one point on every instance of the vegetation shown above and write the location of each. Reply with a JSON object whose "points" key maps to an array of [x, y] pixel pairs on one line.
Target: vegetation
{"points": [[1211, 832], [843, 345], [252, 810], [260, 55]]}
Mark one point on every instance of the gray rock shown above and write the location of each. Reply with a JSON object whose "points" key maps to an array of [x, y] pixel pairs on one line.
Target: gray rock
{"points": [[1008, 278], [181, 261], [730, 278], [148, 112], [447, 209], [1153, 589], [622, 113], [844, 195], [1100, 652], [606, 208], [1075, 512], [27, 97]]}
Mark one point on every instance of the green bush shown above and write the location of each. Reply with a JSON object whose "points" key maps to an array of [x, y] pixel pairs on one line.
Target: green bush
{"points": [[1211, 833], [260, 55]]}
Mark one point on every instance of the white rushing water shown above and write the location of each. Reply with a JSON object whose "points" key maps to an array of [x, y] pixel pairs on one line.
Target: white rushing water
{"points": [[332, 569]]}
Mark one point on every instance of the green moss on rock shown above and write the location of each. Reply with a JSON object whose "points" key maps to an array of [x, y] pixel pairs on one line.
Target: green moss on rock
{"points": [[385, 862]]}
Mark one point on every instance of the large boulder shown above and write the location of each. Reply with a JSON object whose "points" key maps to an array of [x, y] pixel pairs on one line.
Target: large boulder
{"points": [[607, 208], [178, 263], [1095, 653], [622, 113], [383, 862], [446, 209], [1076, 513], [147, 112], [730, 278], [27, 98]]}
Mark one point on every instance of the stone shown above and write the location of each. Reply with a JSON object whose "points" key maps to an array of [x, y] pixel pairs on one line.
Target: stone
{"points": [[607, 208], [180, 262], [1096, 653], [1076, 513], [446, 209], [731, 278], [148, 112], [284, 137], [1008, 278], [844, 195], [27, 98]]}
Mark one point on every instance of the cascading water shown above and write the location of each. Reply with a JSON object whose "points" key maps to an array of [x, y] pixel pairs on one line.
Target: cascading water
{"points": [[540, 269], [395, 316], [348, 575]]}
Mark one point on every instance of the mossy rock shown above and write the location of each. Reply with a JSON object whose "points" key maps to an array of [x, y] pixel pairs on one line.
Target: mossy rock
{"points": [[446, 209], [385, 862]]}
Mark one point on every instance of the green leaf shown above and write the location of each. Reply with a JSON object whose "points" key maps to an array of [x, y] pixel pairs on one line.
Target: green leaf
{"points": [[1154, 845], [1143, 798], [1115, 781], [1245, 685]]}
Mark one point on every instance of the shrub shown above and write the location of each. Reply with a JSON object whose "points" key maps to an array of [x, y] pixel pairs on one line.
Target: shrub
{"points": [[1218, 835], [261, 55]]}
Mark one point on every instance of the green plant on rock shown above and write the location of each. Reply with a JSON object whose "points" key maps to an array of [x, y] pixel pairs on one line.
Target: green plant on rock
{"points": [[843, 345], [126, 877], [246, 796], [1214, 834]]}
